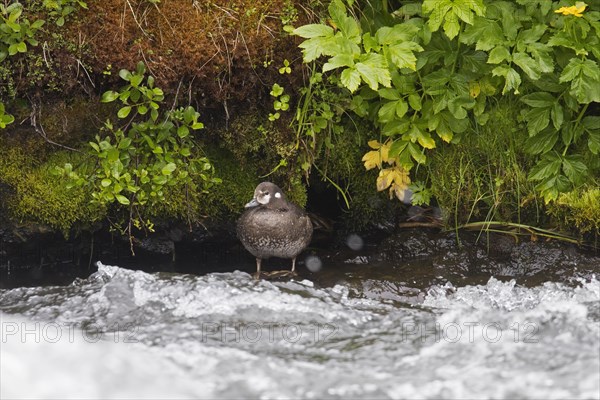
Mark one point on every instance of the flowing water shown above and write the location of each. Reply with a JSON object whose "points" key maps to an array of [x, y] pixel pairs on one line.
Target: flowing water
{"points": [[122, 333]]}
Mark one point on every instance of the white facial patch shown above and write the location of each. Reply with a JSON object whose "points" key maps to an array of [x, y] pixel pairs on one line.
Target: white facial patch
{"points": [[263, 198], [278, 195]]}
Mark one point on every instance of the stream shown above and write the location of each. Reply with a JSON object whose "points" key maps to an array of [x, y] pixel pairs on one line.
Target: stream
{"points": [[355, 326]]}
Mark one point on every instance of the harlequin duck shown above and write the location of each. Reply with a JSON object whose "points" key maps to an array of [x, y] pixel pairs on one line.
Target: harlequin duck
{"points": [[272, 226]]}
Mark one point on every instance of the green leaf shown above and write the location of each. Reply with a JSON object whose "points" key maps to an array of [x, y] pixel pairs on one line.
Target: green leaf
{"points": [[458, 105], [22, 47], [105, 182], [122, 199], [397, 147], [451, 25], [183, 131], [527, 64], [540, 53], [124, 112], [38, 24], [499, 54], [547, 167], [125, 74], [188, 114], [276, 90], [417, 153], [486, 33], [571, 71], [370, 44], [397, 34], [585, 90], [341, 60], [557, 115], [389, 94], [591, 70], [541, 143], [437, 10], [513, 79], [424, 138], [387, 112], [539, 99], [537, 119], [403, 56], [109, 96], [594, 142], [531, 35], [168, 169], [401, 108], [124, 144], [395, 127], [112, 154], [136, 80], [373, 70], [415, 101], [574, 168], [313, 30]]}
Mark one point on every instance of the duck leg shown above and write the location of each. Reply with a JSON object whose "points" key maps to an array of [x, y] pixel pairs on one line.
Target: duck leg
{"points": [[293, 271], [257, 274]]}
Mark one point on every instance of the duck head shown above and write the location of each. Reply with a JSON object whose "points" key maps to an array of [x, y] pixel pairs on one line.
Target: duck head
{"points": [[266, 194]]}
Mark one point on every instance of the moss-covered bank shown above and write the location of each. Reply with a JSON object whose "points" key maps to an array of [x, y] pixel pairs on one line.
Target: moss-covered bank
{"points": [[224, 58]]}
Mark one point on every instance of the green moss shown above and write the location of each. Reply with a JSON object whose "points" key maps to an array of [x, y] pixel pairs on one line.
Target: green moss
{"points": [[38, 195], [579, 210], [237, 187]]}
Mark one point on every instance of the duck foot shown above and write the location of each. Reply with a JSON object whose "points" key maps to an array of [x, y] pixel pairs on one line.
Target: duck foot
{"points": [[280, 274]]}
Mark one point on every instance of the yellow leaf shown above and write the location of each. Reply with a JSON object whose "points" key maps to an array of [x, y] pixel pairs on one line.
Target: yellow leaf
{"points": [[383, 180], [372, 159], [385, 150], [474, 89], [374, 144], [394, 177], [426, 141], [575, 10], [400, 192]]}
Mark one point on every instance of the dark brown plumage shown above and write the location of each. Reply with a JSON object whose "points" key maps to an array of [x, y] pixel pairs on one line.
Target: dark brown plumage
{"points": [[272, 226]]}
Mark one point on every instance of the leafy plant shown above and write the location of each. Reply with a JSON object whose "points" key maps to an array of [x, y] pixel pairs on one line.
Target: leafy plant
{"points": [[60, 10], [16, 31], [281, 102], [5, 119], [138, 164], [431, 74]]}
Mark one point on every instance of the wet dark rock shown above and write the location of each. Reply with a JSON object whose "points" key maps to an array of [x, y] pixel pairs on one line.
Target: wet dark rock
{"points": [[405, 265], [157, 244], [398, 267], [412, 243]]}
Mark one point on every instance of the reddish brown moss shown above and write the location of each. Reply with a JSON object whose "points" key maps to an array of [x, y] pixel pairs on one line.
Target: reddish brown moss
{"points": [[214, 49]]}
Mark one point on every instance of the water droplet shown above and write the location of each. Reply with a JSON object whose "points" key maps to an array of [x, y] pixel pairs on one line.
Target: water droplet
{"points": [[313, 263], [355, 242]]}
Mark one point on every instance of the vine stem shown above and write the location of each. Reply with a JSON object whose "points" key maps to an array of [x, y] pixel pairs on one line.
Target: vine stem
{"points": [[577, 122]]}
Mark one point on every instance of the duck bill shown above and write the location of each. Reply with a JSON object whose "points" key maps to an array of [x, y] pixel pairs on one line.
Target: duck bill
{"points": [[252, 203]]}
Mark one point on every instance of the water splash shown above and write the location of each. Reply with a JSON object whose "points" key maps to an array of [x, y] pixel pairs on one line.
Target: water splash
{"points": [[226, 335]]}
